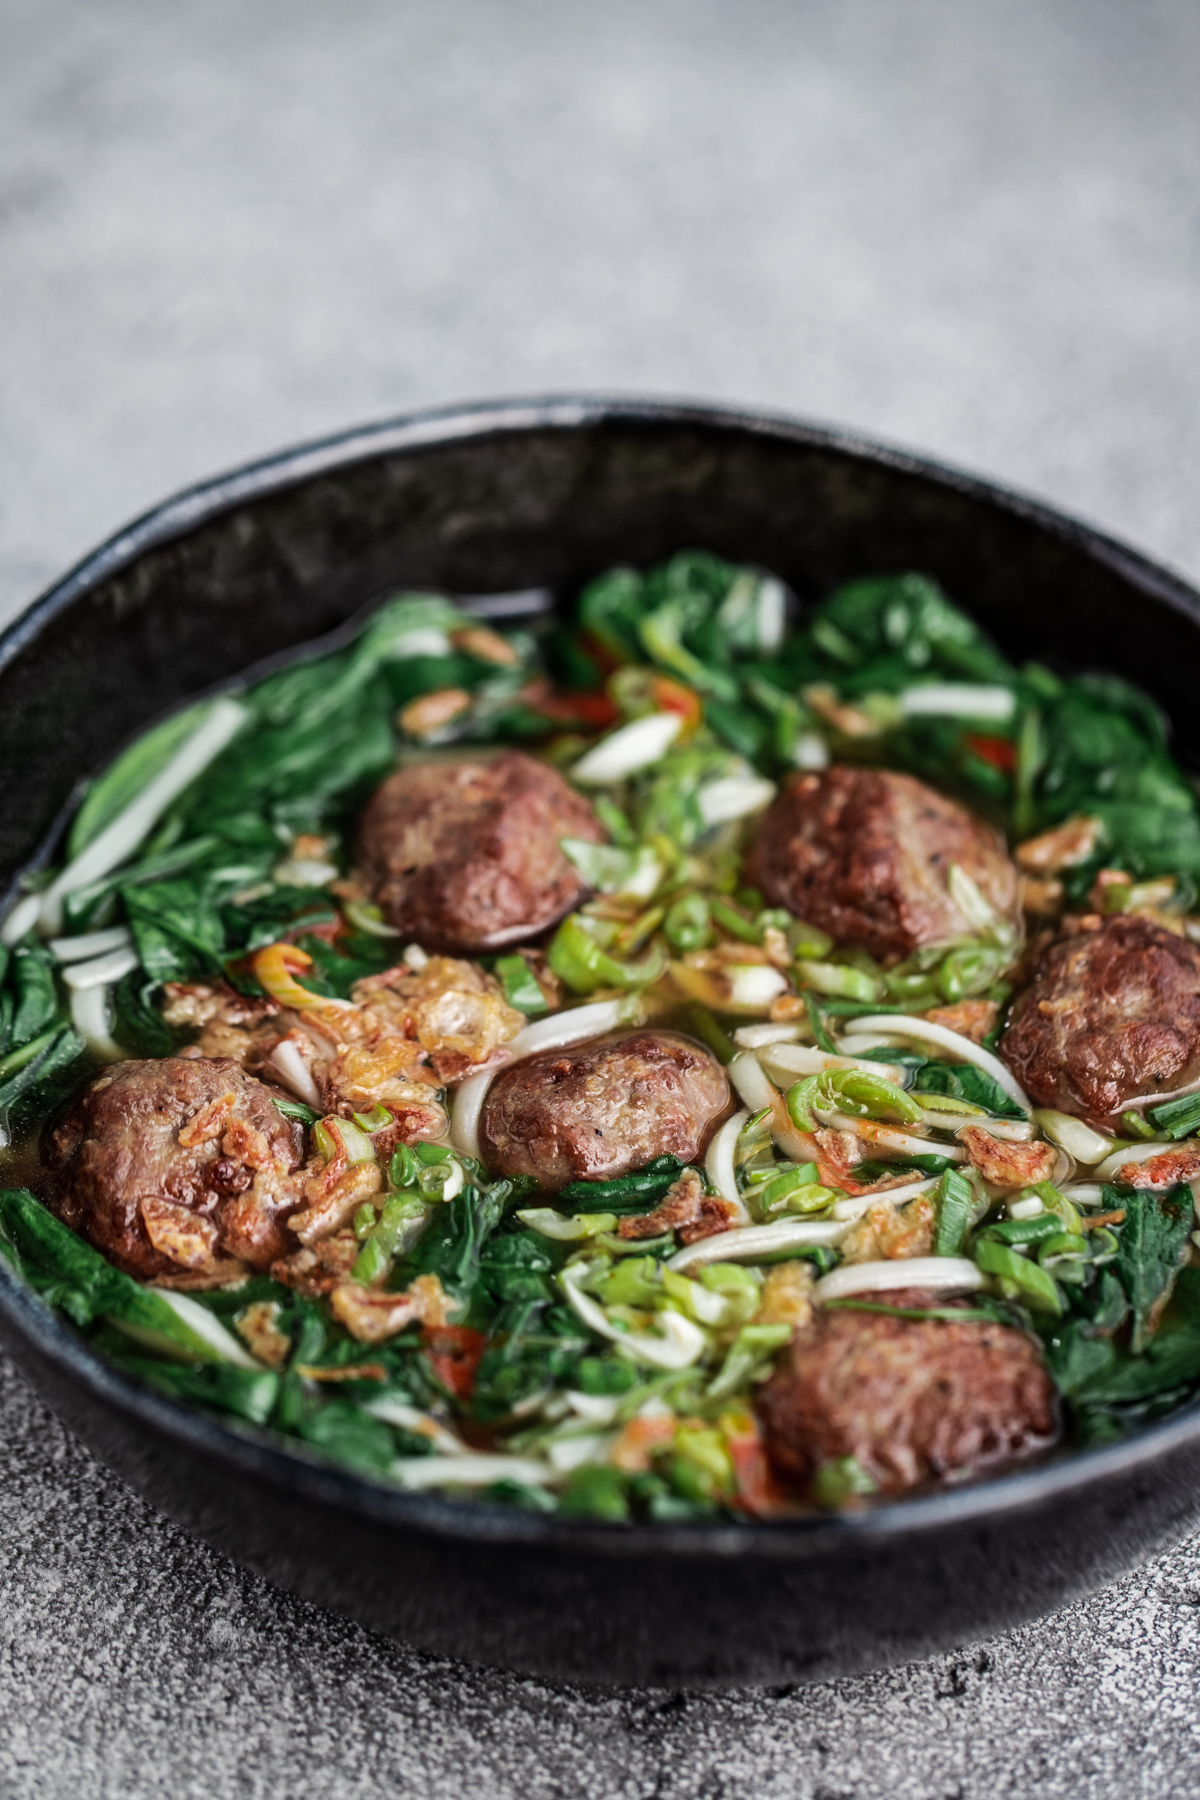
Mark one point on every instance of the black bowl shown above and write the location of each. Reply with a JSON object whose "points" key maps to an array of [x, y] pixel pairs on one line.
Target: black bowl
{"points": [[544, 495]]}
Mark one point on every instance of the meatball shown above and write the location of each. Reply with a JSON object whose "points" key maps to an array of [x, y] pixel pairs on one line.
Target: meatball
{"points": [[180, 1170], [1110, 1014], [464, 856], [597, 1110], [913, 1400], [865, 854]]}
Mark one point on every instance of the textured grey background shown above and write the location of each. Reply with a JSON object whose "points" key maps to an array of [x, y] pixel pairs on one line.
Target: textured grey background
{"points": [[968, 225]]}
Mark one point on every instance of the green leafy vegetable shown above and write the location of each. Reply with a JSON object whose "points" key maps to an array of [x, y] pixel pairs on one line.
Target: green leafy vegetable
{"points": [[1091, 1367], [1104, 755], [125, 779], [955, 1213], [875, 1168], [627, 1193], [963, 1081], [452, 1245], [247, 1393], [32, 975], [1023, 1232], [532, 1346], [61, 1048], [349, 1435], [894, 625], [70, 1274], [179, 933], [1153, 1244], [1079, 1358], [138, 1023], [596, 1491], [1177, 1118], [27, 1053]]}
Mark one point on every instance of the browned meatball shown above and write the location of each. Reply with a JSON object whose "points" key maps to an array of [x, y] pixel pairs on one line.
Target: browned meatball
{"points": [[600, 1109], [181, 1170], [1110, 1014], [464, 856], [865, 854], [913, 1400]]}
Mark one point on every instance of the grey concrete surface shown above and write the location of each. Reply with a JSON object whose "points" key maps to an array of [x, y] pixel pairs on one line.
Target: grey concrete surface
{"points": [[967, 225]]}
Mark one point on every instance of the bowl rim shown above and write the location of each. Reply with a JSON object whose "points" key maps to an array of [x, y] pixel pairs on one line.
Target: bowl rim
{"points": [[260, 1455]]}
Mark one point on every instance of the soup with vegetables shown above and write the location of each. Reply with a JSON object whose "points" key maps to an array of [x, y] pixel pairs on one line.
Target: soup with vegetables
{"points": [[703, 1059]]}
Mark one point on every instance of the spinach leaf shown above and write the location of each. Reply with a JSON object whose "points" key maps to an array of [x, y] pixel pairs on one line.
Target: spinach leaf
{"points": [[177, 931], [426, 674], [452, 1242], [740, 727], [1153, 1244], [267, 918], [53, 1257], [347, 1435], [61, 1048], [606, 1375], [610, 609], [1104, 1302], [247, 1393], [225, 1302], [1104, 755], [1075, 1356], [695, 616], [530, 1347], [339, 740], [83, 908], [1170, 1363], [36, 994], [874, 1168], [514, 1267], [963, 1081], [125, 779], [895, 625], [627, 1193], [1133, 1380], [308, 1335], [336, 971], [68, 1273], [137, 1022]]}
